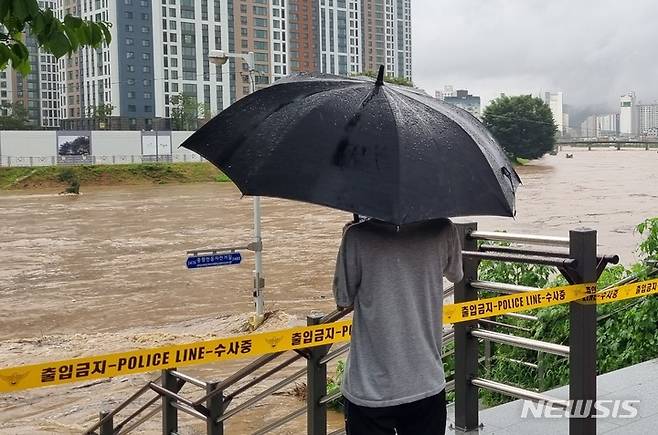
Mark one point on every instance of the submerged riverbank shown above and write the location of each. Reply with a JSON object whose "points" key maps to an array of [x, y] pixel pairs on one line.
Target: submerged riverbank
{"points": [[48, 177]]}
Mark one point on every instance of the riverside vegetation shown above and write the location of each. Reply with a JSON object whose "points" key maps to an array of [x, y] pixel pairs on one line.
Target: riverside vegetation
{"points": [[12, 178]]}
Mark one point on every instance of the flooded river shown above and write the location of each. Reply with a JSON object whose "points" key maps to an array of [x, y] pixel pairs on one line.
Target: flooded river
{"points": [[106, 270]]}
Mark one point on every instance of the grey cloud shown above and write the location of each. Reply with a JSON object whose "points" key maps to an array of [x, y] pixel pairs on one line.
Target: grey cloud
{"points": [[592, 50]]}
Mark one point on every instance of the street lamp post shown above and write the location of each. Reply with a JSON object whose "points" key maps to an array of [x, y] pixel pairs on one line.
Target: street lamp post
{"points": [[220, 57]]}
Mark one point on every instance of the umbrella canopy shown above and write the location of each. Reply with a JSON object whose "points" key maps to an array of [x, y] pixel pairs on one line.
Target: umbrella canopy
{"points": [[363, 146]]}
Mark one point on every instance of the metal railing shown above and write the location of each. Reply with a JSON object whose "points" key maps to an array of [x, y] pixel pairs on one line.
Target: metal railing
{"points": [[119, 159], [213, 406], [579, 264]]}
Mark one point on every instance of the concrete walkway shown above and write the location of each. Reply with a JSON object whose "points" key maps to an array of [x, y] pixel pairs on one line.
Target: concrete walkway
{"points": [[638, 382]]}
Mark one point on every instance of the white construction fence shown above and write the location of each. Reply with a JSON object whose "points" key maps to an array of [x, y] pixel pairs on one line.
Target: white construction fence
{"points": [[45, 148]]}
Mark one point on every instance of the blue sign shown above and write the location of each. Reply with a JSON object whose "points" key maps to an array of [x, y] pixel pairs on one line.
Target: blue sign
{"points": [[213, 260]]}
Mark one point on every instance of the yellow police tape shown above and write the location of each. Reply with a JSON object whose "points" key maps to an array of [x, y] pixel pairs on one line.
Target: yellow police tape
{"points": [[203, 352]]}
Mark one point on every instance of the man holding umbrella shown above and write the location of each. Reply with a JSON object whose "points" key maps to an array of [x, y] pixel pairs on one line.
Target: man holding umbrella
{"points": [[403, 158], [393, 277]]}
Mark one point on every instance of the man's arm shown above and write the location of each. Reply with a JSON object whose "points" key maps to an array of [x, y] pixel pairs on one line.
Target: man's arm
{"points": [[454, 270], [348, 272]]}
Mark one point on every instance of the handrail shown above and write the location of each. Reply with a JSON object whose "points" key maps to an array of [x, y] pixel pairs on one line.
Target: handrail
{"points": [[531, 239], [293, 415], [502, 287], [260, 362], [520, 393], [517, 258], [139, 411], [164, 392], [189, 379], [504, 325], [522, 250], [526, 343], [125, 403], [264, 376], [335, 353], [522, 316], [261, 396], [138, 422], [330, 397]]}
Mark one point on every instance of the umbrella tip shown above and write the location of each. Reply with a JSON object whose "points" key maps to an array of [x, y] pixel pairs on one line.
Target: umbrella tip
{"points": [[380, 76]]}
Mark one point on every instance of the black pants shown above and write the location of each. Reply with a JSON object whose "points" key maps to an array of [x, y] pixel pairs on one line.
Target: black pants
{"points": [[423, 417]]}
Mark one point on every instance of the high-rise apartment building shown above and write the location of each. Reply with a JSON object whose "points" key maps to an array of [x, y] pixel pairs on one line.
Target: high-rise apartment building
{"points": [[184, 33], [387, 36], [628, 115], [554, 101], [339, 44], [37, 91], [607, 125], [160, 49], [647, 118], [303, 53]]}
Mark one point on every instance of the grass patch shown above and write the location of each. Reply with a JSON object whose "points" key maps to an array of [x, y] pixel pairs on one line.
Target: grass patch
{"points": [[107, 175]]}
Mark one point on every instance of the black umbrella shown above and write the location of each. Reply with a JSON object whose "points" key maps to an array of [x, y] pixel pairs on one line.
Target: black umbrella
{"points": [[363, 146]]}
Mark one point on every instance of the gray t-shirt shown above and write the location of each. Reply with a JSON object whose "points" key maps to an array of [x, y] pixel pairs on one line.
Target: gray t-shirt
{"points": [[393, 276]]}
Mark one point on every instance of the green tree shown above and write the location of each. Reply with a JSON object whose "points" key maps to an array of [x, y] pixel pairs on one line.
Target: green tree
{"points": [[55, 36], [186, 111], [14, 116], [522, 125], [100, 114]]}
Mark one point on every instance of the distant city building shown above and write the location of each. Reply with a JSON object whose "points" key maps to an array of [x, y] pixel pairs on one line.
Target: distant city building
{"points": [[651, 132], [588, 127], [468, 102], [607, 125], [554, 101], [628, 115], [648, 118], [448, 91], [566, 126]]}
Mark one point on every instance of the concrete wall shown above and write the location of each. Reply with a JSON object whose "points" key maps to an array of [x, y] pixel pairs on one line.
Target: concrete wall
{"points": [[28, 143], [39, 148], [116, 143]]}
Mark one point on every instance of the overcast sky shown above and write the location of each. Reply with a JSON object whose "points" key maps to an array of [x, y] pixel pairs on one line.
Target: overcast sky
{"points": [[592, 50]]}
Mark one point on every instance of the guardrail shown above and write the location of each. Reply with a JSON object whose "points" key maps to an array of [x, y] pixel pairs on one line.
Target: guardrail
{"points": [[579, 263], [68, 160], [213, 405]]}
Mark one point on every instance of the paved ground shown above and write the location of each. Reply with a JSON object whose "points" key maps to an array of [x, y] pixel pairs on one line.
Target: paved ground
{"points": [[639, 382]]}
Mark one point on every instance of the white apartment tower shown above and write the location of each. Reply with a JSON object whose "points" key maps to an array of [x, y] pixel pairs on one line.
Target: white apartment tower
{"points": [[554, 101], [360, 35], [628, 116], [186, 30]]}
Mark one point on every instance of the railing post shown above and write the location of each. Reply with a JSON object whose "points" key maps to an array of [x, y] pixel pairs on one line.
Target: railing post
{"points": [[107, 427], [466, 346], [169, 413], [316, 385], [582, 337], [215, 407]]}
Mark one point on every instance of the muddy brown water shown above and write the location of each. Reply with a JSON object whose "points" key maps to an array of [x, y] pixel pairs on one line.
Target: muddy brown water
{"points": [[106, 271]]}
